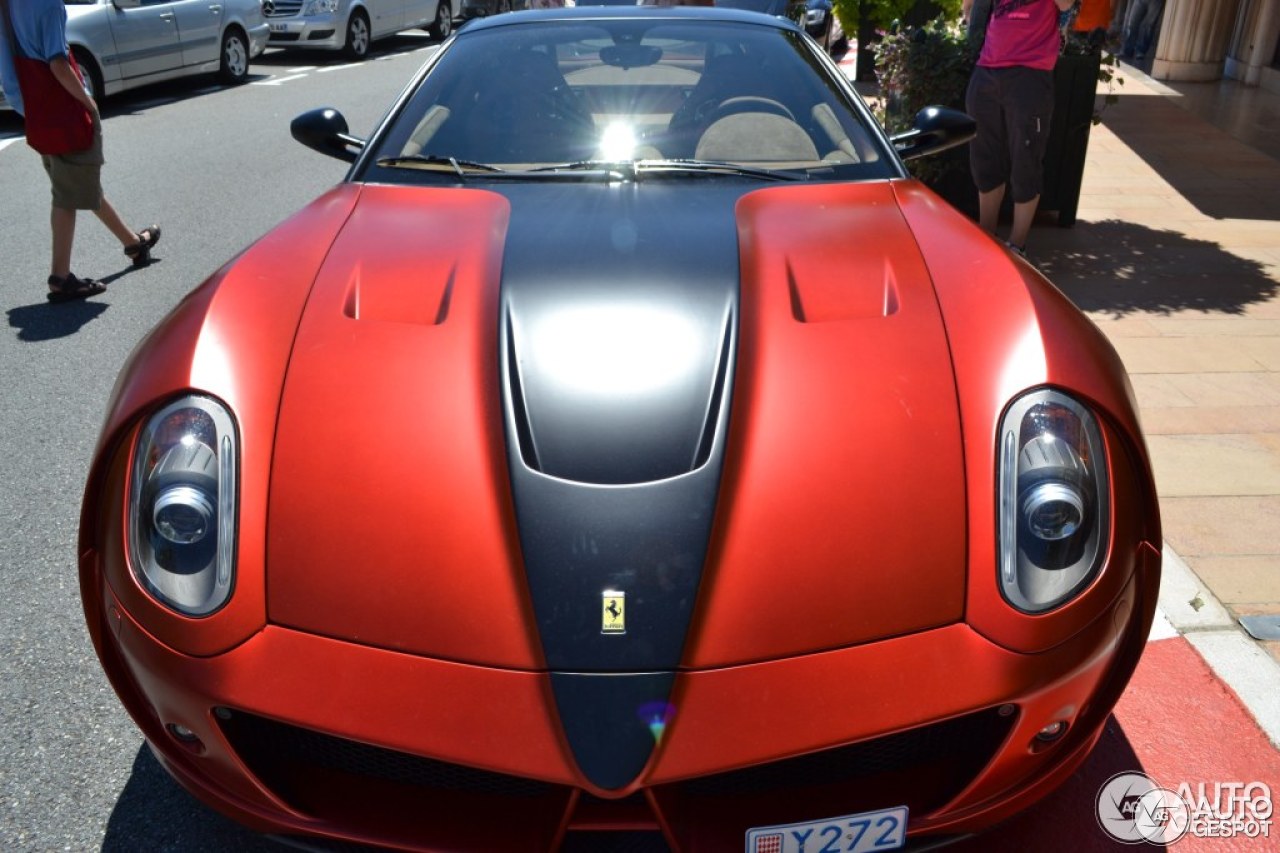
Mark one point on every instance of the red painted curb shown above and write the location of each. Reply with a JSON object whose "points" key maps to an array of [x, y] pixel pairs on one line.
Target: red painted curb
{"points": [[1177, 722]]}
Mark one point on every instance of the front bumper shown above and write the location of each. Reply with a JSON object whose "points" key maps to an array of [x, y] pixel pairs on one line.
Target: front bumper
{"points": [[299, 734], [258, 36], [323, 32]]}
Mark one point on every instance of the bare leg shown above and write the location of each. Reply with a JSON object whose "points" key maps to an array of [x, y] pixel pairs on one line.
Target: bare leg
{"points": [[1024, 213], [115, 224], [989, 208], [63, 223]]}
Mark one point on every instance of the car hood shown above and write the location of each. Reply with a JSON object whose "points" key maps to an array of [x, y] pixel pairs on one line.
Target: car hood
{"points": [[733, 415]]}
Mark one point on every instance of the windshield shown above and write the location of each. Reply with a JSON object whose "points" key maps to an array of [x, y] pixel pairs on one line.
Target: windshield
{"points": [[542, 94]]}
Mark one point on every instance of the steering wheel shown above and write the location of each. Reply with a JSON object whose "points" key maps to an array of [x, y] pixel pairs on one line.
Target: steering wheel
{"points": [[749, 104]]}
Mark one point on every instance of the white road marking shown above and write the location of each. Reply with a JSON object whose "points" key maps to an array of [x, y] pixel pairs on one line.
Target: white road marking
{"points": [[276, 81], [338, 67], [301, 69]]}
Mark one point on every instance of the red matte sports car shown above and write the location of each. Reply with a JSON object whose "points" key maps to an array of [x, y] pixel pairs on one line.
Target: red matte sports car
{"points": [[628, 449]]}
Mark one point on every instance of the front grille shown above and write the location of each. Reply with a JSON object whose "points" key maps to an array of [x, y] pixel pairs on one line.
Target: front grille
{"points": [[399, 798], [283, 37], [963, 744], [283, 8], [272, 749], [396, 798], [922, 769]]}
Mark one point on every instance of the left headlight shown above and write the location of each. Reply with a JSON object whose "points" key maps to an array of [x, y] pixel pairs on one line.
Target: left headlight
{"points": [[1053, 511], [182, 507]]}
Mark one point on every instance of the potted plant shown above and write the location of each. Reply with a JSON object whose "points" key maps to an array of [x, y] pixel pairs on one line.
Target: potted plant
{"points": [[868, 19], [922, 66]]}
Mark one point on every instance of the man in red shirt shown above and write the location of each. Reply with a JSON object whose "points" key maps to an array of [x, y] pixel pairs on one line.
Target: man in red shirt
{"points": [[1011, 98]]}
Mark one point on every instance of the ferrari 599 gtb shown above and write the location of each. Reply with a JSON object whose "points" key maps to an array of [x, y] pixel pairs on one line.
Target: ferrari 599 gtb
{"points": [[627, 445]]}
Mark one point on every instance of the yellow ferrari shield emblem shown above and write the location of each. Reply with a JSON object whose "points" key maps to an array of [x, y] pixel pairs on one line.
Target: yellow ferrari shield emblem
{"points": [[614, 615]]}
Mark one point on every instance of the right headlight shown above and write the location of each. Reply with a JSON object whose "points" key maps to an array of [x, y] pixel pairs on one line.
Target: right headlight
{"points": [[1053, 512], [182, 507], [319, 7]]}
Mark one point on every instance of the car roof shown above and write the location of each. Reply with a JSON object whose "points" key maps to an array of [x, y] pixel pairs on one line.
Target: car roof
{"points": [[609, 13]]}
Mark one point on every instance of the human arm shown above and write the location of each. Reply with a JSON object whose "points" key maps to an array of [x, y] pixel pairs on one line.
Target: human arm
{"points": [[64, 74], [51, 25], [1064, 5]]}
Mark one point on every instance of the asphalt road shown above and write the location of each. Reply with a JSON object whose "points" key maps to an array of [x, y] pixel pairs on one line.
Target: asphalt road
{"points": [[216, 168]]}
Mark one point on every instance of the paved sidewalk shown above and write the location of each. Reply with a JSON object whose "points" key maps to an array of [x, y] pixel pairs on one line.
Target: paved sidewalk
{"points": [[1176, 256]]}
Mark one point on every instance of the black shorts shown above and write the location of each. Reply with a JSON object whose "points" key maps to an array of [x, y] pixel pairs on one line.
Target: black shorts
{"points": [[1012, 107]]}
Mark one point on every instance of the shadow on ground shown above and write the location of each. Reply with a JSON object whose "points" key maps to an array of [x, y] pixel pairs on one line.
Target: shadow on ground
{"points": [[1121, 268], [1066, 820], [1223, 177], [46, 321], [404, 42], [155, 814]]}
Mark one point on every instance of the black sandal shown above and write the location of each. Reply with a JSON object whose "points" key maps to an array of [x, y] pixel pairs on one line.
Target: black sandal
{"points": [[140, 252], [70, 288]]}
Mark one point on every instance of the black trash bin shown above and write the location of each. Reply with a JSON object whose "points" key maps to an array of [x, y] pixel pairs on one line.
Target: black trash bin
{"points": [[1075, 81]]}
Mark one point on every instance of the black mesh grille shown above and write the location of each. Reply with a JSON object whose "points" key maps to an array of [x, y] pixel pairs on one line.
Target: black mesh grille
{"points": [[275, 751], [963, 744], [398, 798]]}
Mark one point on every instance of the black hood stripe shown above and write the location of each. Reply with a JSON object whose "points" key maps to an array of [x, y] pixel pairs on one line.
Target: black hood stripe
{"points": [[615, 485]]}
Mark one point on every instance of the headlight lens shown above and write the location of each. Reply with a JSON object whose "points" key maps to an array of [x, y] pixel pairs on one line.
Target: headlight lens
{"points": [[1053, 500], [182, 507], [319, 7]]}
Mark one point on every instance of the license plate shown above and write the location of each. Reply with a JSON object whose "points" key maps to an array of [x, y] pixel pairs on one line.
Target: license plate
{"points": [[856, 833], [279, 28]]}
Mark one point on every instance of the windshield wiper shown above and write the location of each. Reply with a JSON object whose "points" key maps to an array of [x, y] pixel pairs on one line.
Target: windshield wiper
{"points": [[611, 170], [620, 170], [714, 167], [633, 169], [431, 162]]}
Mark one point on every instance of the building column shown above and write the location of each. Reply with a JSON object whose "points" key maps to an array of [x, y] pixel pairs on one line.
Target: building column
{"points": [[1254, 43], [1193, 39]]}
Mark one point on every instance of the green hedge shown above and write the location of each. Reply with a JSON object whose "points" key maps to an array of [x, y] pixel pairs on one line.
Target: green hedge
{"points": [[918, 67]]}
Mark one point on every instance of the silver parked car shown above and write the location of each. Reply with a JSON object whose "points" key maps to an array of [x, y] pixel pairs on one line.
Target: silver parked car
{"points": [[121, 44], [352, 25]]}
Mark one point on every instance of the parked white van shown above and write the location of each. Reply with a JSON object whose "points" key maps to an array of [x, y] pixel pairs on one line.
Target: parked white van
{"points": [[351, 25]]}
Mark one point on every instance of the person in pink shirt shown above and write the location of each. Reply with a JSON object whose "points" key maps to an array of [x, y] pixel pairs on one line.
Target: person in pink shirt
{"points": [[1010, 96]]}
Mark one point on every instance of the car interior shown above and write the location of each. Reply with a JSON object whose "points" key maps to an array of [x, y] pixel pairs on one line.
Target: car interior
{"points": [[608, 92]]}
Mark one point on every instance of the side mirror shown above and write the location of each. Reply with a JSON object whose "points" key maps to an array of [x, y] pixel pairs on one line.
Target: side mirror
{"points": [[325, 130], [935, 129]]}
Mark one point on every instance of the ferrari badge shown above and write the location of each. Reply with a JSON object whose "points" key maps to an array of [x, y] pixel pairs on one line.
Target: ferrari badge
{"points": [[614, 616]]}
